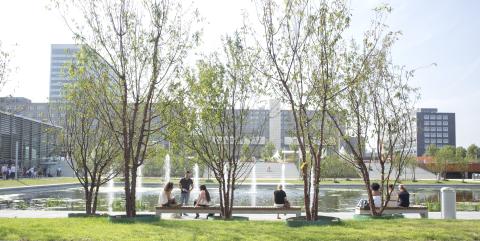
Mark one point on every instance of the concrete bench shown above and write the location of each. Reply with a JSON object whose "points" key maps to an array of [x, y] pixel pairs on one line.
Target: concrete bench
{"points": [[422, 210], [236, 210]]}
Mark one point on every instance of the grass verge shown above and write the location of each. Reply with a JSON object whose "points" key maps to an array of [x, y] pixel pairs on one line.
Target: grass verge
{"points": [[36, 181], [101, 229]]}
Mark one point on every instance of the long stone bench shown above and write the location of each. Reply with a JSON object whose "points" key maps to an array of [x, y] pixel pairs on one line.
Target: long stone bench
{"points": [[236, 210], [422, 210]]}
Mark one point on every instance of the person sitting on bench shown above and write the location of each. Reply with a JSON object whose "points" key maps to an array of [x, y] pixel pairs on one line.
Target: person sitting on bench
{"points": [[203, 200], [403, 197], [280, 199], [377, 199], [166, 198]]}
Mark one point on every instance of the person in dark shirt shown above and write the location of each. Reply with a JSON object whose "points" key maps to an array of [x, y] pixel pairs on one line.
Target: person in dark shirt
{"points": [[279, 198], [403, 197], [186, 185]]}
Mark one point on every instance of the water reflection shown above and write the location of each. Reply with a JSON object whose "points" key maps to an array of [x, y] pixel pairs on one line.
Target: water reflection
{"points": [[330, 200]]}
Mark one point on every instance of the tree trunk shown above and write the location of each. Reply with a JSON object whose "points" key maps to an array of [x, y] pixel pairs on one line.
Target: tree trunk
{"points": [[88, 201], [95, 198], [306, 194]]}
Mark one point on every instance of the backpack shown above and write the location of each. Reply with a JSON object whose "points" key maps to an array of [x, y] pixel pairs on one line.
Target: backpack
{"points": [[363, 204]]}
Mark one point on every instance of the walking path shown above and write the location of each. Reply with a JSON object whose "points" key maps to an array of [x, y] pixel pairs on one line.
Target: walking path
{"points": [[341, 215]]}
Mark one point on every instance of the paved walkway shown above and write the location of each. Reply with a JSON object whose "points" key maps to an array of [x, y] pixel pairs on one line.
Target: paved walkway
{"points": [[341, 215]]}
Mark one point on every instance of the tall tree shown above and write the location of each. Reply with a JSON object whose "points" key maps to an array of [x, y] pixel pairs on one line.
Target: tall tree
{"points": [[462, 161], [90, 147], [376, 107], [214, 112], [141, 47], [300, 45], [443, 156], [268, 151]]}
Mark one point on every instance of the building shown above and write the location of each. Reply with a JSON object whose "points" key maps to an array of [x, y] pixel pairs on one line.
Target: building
{"points": [[435, 128], [32, 143], [24, 107], [61, 55]]}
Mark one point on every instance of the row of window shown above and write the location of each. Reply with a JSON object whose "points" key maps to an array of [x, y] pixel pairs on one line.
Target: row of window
{"points": [[427, 140], [436, 117], [436, 128], [428, 134], [433, 123]]}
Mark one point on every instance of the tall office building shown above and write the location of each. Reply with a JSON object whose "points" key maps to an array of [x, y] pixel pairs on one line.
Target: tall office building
{"points": [[435, 128], [61, 55]]}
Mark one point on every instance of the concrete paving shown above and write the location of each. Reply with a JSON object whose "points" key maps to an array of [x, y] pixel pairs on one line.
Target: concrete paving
{"points": [[268, 217]]}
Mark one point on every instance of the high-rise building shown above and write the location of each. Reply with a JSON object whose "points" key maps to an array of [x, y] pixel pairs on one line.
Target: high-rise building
{"points": [[61, 55], [435, 128]]}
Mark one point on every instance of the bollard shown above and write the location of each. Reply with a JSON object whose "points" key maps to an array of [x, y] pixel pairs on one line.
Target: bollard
{"points": [[448, 203]]}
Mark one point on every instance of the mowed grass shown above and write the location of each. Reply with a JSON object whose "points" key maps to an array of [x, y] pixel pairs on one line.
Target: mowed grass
{"points": [[36, 181], [102, 229]]}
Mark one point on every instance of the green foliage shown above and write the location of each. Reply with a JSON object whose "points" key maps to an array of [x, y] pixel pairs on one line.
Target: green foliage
{"points": [[268, 151], [334, 167], [431, 150], [473, 152]]}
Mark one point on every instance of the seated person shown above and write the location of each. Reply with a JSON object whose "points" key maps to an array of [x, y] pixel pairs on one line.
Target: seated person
{"points": [[393, 202], [377, 198], [280, 199], [203, 200], [166, 198], [403, 197]]}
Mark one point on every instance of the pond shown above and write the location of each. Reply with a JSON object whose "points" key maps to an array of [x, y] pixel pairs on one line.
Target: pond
{"points": [[330, 200]]}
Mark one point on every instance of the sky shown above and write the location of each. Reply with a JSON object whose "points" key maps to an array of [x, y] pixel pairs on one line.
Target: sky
{"points": [[439, 39]]}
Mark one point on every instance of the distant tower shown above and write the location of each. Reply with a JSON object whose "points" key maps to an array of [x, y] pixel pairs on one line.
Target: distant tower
{"points": [[275, 124], [61, 55]]}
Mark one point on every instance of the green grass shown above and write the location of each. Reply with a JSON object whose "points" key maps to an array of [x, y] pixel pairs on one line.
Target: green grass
{"points": [[101, 229], [36, 181]]}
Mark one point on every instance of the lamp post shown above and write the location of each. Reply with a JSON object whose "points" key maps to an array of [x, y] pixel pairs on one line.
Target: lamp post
{"points": [[16, 160]]}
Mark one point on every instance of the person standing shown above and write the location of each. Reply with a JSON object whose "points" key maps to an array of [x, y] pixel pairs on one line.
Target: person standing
{"points": [[186, 185], [13, 170], [4, 172]]}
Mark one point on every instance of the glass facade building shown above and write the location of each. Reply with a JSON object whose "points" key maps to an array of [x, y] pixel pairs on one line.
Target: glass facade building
{"points": [[61, 55], [434, 128], [34, 143]]}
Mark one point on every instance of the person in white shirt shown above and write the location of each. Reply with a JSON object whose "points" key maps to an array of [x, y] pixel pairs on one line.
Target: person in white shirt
{"points": [[377, 198], [13, 169], [166, 198], [4, 172], [203, 200]]}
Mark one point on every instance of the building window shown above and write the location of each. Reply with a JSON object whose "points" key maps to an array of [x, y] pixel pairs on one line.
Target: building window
{"points": [[445, 141], [445, 117], [427, 128], [445, 134], [439, 140], [439, 128], [426, 123], [445, 123], [433, 135], [439, 123], [427, 140], [445, 128], [427, 134], [432, 117]]}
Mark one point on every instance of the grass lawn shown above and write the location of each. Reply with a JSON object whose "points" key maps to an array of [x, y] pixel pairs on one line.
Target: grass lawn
{"points": [[101, 229], [36, 181]]}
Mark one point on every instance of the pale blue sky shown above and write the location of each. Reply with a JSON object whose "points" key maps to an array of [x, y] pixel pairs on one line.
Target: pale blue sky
{"points": [[446, 32]]}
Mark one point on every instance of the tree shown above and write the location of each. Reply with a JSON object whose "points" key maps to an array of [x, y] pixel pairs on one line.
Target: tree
{"points": [[4, 66], [376, 108], [213, 112], [462, 161], [473, 152], [442, 157], [300, 42], [138, 49], [268, 151], [334, 167], [431, 150], [90, 147]]}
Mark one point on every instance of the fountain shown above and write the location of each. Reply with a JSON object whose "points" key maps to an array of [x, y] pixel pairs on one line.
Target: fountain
{"points": [[166, 168], [196, 184], [282, 180], [139, 186], [253, 183], [111, 195]]}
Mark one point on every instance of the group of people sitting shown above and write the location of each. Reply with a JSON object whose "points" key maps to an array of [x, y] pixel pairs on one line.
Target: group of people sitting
{"points": [[397, 199], [167, 199]]}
